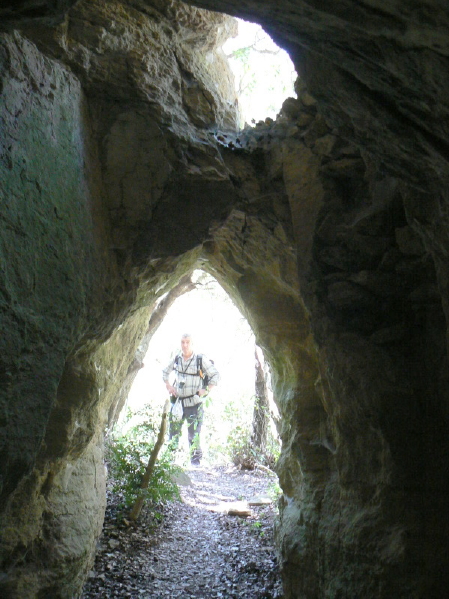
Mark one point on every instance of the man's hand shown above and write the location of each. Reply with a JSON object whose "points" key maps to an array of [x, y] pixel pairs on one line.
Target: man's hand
{"points": [[171, 389], [202, 392]]}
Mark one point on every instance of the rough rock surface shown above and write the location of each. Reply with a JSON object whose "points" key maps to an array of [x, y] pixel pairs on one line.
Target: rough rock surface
{"points": [[328, 228]]}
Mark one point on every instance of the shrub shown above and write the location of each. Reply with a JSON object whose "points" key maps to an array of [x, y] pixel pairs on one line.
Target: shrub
{"points": [[246, 455], [128, 452], [240, 450]]}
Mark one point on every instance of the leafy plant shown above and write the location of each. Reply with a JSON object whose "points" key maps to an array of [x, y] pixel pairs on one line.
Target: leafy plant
{"points": [[257, 526], [272, 449], [244, 454], [239, 448], [128, 452]]}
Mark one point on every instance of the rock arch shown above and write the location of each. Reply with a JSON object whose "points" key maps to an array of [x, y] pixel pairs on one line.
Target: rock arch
{"points": [[328, 228]]}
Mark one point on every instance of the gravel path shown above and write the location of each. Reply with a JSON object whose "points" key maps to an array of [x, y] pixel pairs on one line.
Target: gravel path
{"points": [[201, 550]]}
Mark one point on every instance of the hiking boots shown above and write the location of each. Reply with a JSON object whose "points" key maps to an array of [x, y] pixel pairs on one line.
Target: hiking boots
{"points": [[196, 456]]}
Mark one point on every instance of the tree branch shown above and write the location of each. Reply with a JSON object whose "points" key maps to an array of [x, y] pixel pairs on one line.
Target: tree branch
{"points": [[137, 507]]}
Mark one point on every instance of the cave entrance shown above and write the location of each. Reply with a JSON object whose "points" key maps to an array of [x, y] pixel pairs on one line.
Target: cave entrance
{"points": [[219, 539], [264, 75], [222, 333]]}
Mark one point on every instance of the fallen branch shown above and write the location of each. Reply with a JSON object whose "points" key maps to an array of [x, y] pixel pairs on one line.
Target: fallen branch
{"points": [[265, 469], [137, 507]]}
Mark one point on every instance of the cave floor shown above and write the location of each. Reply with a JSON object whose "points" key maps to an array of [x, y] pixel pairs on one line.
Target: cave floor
{"points": [[201, 549]]}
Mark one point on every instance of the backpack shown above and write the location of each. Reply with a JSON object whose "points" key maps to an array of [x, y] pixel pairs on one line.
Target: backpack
{"points": [[199, 367]]}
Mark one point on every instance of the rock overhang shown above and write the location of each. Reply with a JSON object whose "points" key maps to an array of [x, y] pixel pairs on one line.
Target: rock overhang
{"points": [[340, 266]]}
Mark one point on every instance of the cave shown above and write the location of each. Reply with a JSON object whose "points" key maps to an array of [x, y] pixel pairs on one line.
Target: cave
{"points": [[122, 170]]}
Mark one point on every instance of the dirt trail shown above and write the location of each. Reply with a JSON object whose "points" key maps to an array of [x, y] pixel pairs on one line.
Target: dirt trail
{"points": [[200, 550]]}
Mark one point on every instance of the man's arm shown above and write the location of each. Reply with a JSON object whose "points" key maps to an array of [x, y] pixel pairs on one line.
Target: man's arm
{"points": [[165, 374], [212, 373]]}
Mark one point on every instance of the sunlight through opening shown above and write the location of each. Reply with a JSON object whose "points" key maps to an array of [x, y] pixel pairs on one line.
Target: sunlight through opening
{"points": [[221, 333], [264, 74]]}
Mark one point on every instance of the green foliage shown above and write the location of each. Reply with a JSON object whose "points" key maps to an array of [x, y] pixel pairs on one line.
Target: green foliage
{"points": [[272, 449], [207, 402], [239, 448], [220, 417], [264, 75], [128, 452], [243, 453], [241, 54], [227, 434]]}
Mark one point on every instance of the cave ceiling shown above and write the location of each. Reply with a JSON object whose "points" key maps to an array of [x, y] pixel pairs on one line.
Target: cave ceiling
{"points": [[122, 170]]}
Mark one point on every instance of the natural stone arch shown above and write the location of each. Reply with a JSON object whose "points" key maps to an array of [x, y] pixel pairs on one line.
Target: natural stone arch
{"points": [[367, 218]]}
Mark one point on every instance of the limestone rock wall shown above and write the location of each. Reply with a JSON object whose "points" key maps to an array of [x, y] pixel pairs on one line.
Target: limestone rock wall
{"points": [[350, 374], [82, 171], [328, 229], [51, 241], [374, 70], [53, 275]]}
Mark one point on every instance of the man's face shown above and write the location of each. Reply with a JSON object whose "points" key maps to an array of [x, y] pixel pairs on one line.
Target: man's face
{"points": [[186, 346]]}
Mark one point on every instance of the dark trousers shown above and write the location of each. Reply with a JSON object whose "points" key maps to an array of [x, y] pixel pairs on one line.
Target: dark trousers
{"points": [[194, 417]]}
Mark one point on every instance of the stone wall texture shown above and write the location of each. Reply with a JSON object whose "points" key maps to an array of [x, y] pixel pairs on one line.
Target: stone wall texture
{"points": [[121, 170]]}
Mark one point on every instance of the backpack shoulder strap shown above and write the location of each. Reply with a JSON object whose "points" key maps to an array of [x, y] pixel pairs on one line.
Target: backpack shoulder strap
{"points": [[199, 365]]}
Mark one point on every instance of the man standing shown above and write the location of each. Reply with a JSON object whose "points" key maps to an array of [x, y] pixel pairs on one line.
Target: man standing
{"points": [[189, 370]]}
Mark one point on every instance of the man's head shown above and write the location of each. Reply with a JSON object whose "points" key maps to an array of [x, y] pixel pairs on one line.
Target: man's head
{"points": [[186, 345]]}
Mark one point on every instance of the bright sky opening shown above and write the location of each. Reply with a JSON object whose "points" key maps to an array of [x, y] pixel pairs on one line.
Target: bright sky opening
{"points": [[221, 332], [264, 74]]}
